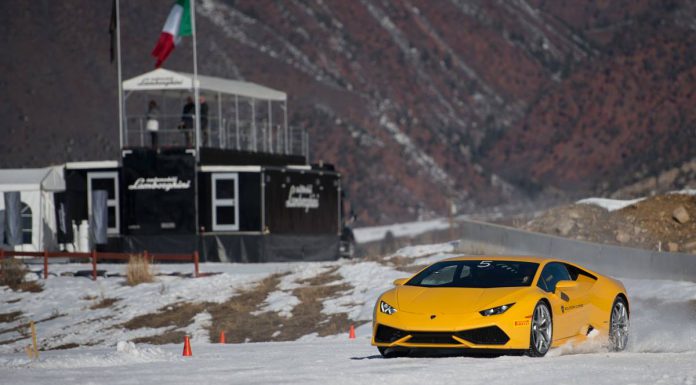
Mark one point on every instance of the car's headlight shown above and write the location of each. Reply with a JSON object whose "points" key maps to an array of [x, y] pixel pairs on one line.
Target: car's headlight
{"points": [[496, 310], [386, 308]]}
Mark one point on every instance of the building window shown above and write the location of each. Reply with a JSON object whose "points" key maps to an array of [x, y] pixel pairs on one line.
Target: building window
{"points": [[225, 191], [107, 181], [25, 214]]}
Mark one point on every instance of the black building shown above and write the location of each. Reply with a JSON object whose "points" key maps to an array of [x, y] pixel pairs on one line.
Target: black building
{"points": [[238, 189]]}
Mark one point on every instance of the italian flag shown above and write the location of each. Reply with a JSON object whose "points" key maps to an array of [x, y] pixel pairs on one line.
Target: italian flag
{"points": [[178, 24]]}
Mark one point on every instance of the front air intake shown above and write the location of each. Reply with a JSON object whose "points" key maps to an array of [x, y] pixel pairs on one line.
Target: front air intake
{"points": [[431, 338], [388, 334], [490, 335]]}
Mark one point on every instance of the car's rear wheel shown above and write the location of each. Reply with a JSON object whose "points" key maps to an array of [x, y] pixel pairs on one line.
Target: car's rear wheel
{"points": [[392, 352], [618, 325], [541, 330]]}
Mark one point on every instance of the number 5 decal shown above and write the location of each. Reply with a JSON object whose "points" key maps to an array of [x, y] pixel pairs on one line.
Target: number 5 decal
{"points": [[484, 264]]}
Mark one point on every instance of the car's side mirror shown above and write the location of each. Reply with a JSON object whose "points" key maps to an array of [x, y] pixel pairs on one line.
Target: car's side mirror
{"points": [[567, 284], [400, 281]]}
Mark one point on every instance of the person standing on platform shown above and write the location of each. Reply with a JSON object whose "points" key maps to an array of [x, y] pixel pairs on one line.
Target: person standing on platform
{"points": [[187, 116], [204, 120], [152, 125]]}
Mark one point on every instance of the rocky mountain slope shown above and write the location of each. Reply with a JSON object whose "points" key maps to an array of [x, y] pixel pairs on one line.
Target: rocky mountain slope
{"points": [[661, 222], [420, 103]]}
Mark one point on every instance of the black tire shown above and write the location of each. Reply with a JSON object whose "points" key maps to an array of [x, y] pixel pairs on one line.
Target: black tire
{"points": [[540, 331], [392, 352], [618, 325]]}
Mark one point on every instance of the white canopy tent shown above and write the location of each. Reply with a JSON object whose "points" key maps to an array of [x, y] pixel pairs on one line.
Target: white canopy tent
{"points": [[36, 187], [258, 129], [162, 79]]}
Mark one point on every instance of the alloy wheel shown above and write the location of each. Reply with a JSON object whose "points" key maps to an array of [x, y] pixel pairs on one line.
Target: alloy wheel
{"points": [[619, 325], [542, 329]]}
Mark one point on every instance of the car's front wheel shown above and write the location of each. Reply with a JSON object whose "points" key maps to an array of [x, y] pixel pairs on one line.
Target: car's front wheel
{"points": [[618, 325], [541, 330]]}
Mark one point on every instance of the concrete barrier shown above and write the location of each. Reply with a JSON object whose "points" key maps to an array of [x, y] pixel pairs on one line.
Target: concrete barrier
{"points": [[486, 238]]}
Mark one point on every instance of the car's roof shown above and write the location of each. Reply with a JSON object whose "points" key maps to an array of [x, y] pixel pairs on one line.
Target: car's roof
{"points": [[518, 258]]}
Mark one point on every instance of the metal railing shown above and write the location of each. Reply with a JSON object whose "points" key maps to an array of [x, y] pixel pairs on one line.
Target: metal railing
{"points": [[95, 256], [223, 134]]}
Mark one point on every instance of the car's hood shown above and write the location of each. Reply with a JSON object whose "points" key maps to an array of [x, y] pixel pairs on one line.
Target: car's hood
{"points": [[450, 300]]}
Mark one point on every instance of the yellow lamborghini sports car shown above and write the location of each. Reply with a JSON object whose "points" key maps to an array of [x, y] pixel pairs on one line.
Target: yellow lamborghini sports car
{"points": [[500, 304]]}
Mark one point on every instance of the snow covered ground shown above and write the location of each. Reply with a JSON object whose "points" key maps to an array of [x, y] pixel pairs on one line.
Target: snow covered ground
{"points": [[407, 229], [662, 347], [337, 361], [68, 310], [64, 309]]}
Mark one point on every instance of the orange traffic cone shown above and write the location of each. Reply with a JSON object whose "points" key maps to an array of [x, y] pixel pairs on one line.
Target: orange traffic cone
{"points": [[351, 335], [222, 337], [187, 347]]}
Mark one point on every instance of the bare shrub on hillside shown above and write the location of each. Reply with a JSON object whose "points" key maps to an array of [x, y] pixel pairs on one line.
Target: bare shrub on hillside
{"points": [[13, 274], [138, 271]]}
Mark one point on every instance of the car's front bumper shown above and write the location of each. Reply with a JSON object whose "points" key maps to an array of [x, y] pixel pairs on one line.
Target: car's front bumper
{"points": [[509, 331]]}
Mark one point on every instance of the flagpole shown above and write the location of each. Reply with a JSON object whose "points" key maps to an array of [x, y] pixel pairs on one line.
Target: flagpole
{"points": [[192, 6], [120, 81]]}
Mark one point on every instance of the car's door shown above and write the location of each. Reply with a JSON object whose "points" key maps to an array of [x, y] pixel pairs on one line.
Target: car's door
{"points": [[566, 321], [580, 295]]}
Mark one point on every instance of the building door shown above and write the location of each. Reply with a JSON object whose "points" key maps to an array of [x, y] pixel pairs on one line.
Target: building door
{"points": [[27, 223], [225, 192], [107, 181]]}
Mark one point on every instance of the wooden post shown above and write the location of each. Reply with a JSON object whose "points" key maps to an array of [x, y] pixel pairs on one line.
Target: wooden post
{"points": [[33, 340], [94, 265], [195, 264], [33, 349], [45, 264]]}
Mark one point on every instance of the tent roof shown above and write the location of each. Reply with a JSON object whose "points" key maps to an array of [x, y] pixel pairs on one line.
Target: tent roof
{"points": [[32, 179], [162, 79]]}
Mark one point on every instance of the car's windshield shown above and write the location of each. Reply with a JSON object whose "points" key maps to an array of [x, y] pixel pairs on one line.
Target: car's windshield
{"points": [[480, 274]]}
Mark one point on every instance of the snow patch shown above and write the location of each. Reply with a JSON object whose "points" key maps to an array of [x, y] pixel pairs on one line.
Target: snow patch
{"points": [[283, 301], [425, 250], [618, 204], [369, 281], [198, 330], [279, 302], [407, 229], [126, 353], [609, 204], [686, 191]]}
